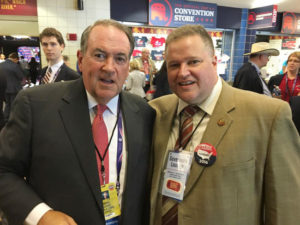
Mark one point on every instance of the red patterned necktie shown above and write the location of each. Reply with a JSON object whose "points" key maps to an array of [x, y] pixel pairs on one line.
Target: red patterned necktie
{"points": [[47, 76], [170, 217], [187, 126], [101, 141]]}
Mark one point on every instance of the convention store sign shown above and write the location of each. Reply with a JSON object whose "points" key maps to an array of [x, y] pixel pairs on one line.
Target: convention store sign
{"points": [[175, 13], [263, 17], [18, 7], [290, 23]]}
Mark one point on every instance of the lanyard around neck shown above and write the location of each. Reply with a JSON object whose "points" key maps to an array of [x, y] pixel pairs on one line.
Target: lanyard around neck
{"points": [[180, 127], [119, 149], [290, 94]]}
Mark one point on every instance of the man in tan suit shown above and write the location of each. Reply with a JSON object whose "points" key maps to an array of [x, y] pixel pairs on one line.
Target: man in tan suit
{"points": [[245, 149]]}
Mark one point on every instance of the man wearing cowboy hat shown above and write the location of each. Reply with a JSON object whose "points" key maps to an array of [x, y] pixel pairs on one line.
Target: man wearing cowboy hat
{"points": [[248, 76]]}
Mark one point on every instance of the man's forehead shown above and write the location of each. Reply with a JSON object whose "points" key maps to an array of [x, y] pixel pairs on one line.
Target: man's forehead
{"points": [[49, 39]]}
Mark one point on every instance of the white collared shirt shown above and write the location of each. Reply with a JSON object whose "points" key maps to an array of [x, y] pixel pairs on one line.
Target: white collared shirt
{"points": [[207, 106], [110, 118], [55, 69]]}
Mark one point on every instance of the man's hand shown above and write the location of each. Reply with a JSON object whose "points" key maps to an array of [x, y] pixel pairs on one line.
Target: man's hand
{"points": [[56, 218]]}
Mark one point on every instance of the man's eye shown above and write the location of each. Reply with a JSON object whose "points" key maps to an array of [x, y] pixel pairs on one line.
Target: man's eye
{"points": [[120, 59], [193, 62], [100, 56], [173, 65]]}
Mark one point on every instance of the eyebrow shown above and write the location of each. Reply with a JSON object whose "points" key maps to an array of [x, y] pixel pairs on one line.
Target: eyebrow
{"points": [[102, 51]]}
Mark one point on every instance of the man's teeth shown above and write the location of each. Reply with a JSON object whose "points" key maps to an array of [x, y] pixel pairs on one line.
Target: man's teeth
{"points": [[186, 82], [107, 81]]}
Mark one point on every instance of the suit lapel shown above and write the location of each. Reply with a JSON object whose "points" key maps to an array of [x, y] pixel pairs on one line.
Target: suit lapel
{"points": [[129, 113], [218, 125], [76, 119], [162, 127]]}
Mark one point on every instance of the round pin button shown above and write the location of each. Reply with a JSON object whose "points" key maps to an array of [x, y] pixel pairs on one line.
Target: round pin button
{"points": [[205, 154]]}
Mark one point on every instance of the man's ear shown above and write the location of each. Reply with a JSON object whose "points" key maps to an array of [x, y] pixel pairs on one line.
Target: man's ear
{"points": [[79, 59]]}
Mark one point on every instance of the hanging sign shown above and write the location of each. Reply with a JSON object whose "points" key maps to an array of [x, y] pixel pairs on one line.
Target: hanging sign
{"points": [[18, 7], [290, 23], [175, 13], [263, 17]]}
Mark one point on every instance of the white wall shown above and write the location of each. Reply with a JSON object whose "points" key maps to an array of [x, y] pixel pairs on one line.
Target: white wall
{"points": [[65, 17]]}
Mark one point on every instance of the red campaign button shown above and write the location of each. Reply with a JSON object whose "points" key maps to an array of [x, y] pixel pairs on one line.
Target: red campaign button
{"points": [[173, 185], [205, 154]]}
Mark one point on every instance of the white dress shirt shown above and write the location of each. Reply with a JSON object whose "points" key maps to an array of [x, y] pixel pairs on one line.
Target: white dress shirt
{"points": [[55, 69], [207, 106]]}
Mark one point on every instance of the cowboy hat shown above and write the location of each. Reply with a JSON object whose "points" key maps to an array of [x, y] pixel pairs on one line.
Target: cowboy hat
{"points": [[262, 48]]}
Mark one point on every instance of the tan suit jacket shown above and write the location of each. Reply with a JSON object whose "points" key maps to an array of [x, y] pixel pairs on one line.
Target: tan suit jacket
{"points": [[255, 179]]}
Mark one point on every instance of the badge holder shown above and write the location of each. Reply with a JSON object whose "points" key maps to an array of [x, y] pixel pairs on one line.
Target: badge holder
{"points": [[110, 203], [176, 172]]}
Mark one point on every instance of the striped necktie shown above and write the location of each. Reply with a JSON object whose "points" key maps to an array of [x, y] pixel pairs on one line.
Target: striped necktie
{"points": [[170, 208], [187, 126], [47, 76]]}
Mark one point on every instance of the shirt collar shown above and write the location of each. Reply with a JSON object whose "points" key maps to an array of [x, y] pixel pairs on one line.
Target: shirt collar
{"points": [[112, 105], [209, 103], [56, 66], [255, 66]]}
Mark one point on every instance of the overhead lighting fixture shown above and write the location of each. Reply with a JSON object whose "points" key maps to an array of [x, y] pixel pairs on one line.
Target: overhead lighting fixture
{"points": [[20, 36]]}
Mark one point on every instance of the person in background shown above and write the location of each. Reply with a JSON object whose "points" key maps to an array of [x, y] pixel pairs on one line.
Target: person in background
{"points": [[248, 76], [136, 80], [147, 66], [73, 141], [3, 85], [287, 85], [283, 69], [2, 58], [34, 68], [53, 45], [161, 82], [219, 154], [66, 60], [14, 77]]}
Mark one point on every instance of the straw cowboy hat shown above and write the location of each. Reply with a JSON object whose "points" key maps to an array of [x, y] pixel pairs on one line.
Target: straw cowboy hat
{"points": [[262, 48]]}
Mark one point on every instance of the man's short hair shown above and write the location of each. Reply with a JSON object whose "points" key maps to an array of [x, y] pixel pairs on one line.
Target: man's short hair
{"points": [[86, 33], [13, 55], [52, 32], [191, 30]]}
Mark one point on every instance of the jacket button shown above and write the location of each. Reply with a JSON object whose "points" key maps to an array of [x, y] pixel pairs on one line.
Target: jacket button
{"points": [[221, 122]]}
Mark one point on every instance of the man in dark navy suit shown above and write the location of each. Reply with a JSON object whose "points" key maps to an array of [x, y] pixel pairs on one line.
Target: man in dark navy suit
{"points": [[249, 76], [53, 45], [12, 81], [50, 141]]}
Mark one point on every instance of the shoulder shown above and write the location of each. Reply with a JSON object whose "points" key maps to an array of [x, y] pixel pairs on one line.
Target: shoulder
{"points": [[254, 103], [70, 72], [49, 91], [132, 100], [276, 77], [164, 103]]}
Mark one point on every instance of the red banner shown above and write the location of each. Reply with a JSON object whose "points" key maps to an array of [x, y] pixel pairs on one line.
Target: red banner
{"points": [[18, 7], [290, 23]]}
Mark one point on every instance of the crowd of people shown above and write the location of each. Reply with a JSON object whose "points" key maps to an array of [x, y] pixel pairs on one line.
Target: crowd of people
{"points": [[87, 151]]}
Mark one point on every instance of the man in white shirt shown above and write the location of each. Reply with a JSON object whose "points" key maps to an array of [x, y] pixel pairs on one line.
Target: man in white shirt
{"points": [[219, 152], [53, 44], [52, 140]]}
